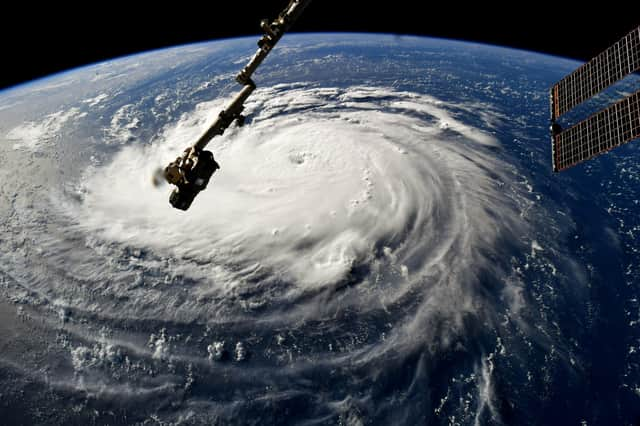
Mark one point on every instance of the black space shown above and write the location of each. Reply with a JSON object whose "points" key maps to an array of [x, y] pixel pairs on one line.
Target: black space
{"points": [[38, 40]]}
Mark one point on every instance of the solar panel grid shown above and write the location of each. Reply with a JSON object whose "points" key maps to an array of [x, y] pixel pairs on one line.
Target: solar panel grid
{"points": [[621, 59], [613, 126], [634, 50], [603, 131]]}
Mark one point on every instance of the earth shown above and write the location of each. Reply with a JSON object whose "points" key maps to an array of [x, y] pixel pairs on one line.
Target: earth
{"points": [[385, 243]]}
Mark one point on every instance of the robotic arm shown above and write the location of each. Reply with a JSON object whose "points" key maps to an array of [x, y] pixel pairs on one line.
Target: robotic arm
{"points": [[190, 172]]}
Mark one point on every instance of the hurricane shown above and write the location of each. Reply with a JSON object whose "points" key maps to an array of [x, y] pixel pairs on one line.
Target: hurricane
{"points": [[356, 242]]}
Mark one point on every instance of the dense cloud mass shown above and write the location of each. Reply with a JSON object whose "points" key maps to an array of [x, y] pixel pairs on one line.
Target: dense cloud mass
{"points": [[325, 187], [357, 225], [351, 234]]}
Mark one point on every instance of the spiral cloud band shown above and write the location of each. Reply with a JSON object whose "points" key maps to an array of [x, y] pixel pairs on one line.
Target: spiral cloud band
{"points": [[348, 230]]}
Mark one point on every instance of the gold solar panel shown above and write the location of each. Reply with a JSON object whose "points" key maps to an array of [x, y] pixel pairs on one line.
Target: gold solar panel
{"points": [[615, 63], [608, 128], [601, 132]]}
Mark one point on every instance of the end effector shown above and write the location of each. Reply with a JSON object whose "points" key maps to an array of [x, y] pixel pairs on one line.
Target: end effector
{"points": [[190, 173]]}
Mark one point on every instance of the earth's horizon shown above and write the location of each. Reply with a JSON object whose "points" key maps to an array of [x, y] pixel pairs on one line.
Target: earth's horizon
{"points": [[252, 38]]}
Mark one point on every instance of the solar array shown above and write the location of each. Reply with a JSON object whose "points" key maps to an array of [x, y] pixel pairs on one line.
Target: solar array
{"points": [[611, 127], [603, 131]]}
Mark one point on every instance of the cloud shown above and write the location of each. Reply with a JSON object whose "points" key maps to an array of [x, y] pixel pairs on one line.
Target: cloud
{"points": [[310, 191], [30, 136]]}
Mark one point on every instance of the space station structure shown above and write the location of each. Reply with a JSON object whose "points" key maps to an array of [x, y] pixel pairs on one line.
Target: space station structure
{"points": [[615, 125], [192, 170]]}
